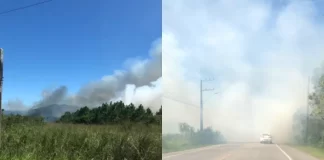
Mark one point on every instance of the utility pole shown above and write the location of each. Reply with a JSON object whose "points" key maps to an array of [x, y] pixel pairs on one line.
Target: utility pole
{"points": [[307, 111], [1, 86], [201, 102]]}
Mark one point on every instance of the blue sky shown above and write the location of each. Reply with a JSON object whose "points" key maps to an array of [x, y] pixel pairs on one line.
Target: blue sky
{"points": [[72, 42]]}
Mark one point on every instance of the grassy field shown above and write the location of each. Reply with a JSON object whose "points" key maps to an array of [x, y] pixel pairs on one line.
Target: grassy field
{"points": [[178, 144], [314, 151], [189, 138], [81, 142]]}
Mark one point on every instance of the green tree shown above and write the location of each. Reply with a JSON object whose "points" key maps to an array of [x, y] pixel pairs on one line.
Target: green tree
{"points": [[139, 113], [112, 113], [317, 99], [315, 130], [159, 112]]}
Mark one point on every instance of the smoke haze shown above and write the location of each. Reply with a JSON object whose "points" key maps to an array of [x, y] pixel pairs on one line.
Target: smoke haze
{"points": [[260, 54]]}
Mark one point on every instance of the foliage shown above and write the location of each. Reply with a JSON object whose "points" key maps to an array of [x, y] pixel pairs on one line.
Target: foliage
{"points": [[29, 138], [314, 151], [112, 113], [85, 134], [311, 131], [189, 138], [316, 99], [12, 120], [315, 131]]}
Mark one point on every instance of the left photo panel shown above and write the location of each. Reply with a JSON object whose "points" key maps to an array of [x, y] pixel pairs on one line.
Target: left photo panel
{"points": [[81, 80]]}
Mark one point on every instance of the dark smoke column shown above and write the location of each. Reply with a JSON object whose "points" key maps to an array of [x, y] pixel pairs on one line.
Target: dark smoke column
{"points": [[1, 86]]}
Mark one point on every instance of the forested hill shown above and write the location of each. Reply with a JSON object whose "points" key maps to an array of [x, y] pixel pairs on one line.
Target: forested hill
{"points": [[112, 113]]}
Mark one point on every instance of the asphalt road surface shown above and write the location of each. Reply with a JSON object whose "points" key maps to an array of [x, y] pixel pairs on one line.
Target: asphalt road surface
{"points": [[247, 151]]}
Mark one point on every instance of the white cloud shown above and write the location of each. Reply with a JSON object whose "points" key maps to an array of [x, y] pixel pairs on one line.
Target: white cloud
{"points": [[259, 52]]}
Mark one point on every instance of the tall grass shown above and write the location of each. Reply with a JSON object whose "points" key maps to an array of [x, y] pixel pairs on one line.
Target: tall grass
{"points": [[188, 138], [40, 141]]}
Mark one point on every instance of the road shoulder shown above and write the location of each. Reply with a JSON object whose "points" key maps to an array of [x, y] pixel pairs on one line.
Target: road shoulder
{"points": [[315, 152], [297, 154], [181, 149], [192, 150]]}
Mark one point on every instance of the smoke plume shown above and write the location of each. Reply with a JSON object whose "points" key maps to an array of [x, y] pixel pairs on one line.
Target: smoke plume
{"points": [[140, 73], [143, 75], [260, 54]]}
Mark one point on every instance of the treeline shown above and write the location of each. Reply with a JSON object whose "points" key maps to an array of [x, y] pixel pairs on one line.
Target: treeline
{"points": [[113, 113], [311, 132], [190, 138], [16, 119]]}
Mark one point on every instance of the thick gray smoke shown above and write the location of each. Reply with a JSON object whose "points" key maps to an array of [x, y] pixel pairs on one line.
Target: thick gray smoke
{"points": [[259, 52], [54, 97], [143, 74], [140, 73]]}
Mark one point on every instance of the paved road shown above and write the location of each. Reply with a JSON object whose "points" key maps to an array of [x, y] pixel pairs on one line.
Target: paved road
{"points": [[248, 151]]}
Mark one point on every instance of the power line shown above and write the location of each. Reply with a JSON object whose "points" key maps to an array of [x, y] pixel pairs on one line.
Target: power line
{"points": [[210, 97], [188, 104], [24, 7], [216, 93]]}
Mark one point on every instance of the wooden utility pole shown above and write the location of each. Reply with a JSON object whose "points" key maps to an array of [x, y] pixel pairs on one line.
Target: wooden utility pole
{"points": [[1, 89], [307, 111]]}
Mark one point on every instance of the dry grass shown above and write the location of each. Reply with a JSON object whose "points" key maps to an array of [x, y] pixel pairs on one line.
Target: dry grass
{"points": [[314, 151], [81, 142]]}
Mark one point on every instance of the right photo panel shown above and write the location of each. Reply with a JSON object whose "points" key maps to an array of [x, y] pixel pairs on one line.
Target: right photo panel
{"points": [[243, 80]]}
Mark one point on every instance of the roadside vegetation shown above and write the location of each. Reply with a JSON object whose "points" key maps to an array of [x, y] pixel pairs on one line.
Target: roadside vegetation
{"points": [[309, 137], [113, 131], [189, 138], [314, 151]]}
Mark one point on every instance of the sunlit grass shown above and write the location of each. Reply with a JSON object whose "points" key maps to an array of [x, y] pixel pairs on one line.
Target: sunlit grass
{"points": [[314, 151], [78, 142]]}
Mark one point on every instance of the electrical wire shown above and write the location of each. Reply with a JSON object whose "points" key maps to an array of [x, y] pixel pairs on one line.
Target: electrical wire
{"points": [[24, 7], [188, 104]]}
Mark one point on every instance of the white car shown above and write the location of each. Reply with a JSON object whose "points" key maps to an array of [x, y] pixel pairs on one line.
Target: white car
{"points": [[266, 138]]}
